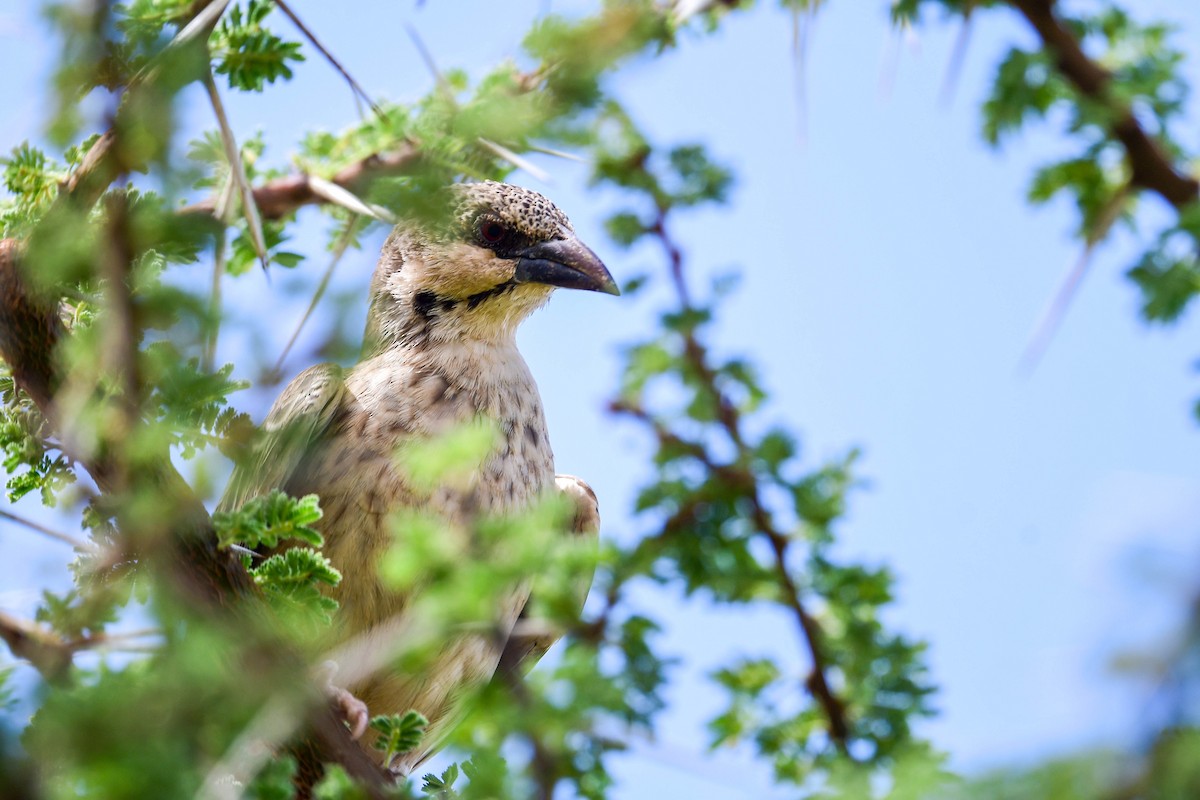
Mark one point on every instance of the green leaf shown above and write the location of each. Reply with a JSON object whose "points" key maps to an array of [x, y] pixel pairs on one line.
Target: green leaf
{"points": [[274, 782], [247, 53], [451, 457], [1168, 283], [268, 520], [440, 786], [292, 581], [625, 228], [398, 734]]}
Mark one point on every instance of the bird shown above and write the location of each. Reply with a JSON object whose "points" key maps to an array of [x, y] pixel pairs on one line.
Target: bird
{"points": [[445, 302]]}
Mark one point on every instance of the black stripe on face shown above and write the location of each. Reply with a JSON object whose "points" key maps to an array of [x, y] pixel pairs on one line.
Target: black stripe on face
{"points": [[423, 303], [474, 300]]}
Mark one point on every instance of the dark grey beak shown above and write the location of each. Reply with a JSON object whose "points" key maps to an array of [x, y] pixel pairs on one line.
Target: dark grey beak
{"points": [[568, 263]]}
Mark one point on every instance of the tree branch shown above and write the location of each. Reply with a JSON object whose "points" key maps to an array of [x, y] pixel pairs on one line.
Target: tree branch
{"points": [[280, 197], [729, 418], [1151, 166], [49, 654]]}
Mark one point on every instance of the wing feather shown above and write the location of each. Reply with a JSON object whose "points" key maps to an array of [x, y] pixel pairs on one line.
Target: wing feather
{"points": [[302, 414], [531, 638]]}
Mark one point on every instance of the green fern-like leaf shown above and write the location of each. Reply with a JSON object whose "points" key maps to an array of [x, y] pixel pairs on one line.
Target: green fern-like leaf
{"points": [[292, 580], [270, 519], [399, 734]]}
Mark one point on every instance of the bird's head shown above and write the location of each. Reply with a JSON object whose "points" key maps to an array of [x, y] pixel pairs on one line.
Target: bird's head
{"points": [[478, 270]]}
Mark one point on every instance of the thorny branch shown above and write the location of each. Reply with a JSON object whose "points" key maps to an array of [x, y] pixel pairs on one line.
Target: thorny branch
{"points": [[1151, 167], [729, 418], [210, 580], [278, 198]]}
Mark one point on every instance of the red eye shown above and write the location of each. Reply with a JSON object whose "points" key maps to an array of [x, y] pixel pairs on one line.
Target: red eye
{"points": [[491, 231]]}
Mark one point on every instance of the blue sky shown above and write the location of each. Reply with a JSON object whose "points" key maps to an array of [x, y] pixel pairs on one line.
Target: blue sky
{"points": [[1040, 524]]}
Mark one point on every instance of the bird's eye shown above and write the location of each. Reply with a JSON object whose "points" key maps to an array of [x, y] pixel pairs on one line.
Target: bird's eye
{"points": [[491, 231]]}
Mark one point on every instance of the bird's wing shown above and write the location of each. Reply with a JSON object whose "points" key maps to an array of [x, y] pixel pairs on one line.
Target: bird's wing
{"points": [[300, 416], [531, 637]]}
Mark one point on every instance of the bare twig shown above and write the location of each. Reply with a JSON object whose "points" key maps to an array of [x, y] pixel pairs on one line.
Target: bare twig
{"points": [[674, 258], [518, 161], [237, 170], [339, 250], [426, 56], [1057, 309], [803, 21], [958, 55], [78, 544], [337, 65], [889, 64], [340, 196], [557, 153], [214, 300], [201, 24]]}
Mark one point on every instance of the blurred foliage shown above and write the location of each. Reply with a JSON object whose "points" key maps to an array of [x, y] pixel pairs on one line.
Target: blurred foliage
{"points": [[729, 510]]}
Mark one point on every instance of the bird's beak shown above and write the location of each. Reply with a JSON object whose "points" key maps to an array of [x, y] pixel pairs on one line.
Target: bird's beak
{"points": [[568, 263]]}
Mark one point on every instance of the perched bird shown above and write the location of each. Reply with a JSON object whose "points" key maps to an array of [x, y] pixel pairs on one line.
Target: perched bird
{"points": [[440, 350]]}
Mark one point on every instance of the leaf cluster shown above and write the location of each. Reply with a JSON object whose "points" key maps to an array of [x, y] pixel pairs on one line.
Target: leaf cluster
{"points": [[249, 54]]}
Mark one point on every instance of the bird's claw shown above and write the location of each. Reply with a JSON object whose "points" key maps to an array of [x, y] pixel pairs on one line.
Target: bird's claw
{"points": [[354, 712]]}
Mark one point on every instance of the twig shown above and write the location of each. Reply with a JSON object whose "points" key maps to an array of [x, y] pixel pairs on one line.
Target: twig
{"points": [[430, 64], [200, 24], [674, 258], [341, 196], [78, 544], [102, 163], [890, 62], [237, 170], [804, 19], [518, 161], [282, 713], [214, 300], [339, 249], [558, 153], [958, 55], [683, 10], [111, 639], [207, 580], [1057, 309], [308, 34], [30, 329]]}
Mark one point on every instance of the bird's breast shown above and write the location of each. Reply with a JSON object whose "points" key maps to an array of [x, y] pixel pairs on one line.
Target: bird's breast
{"points": [[396, 403], [361, 484]]}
